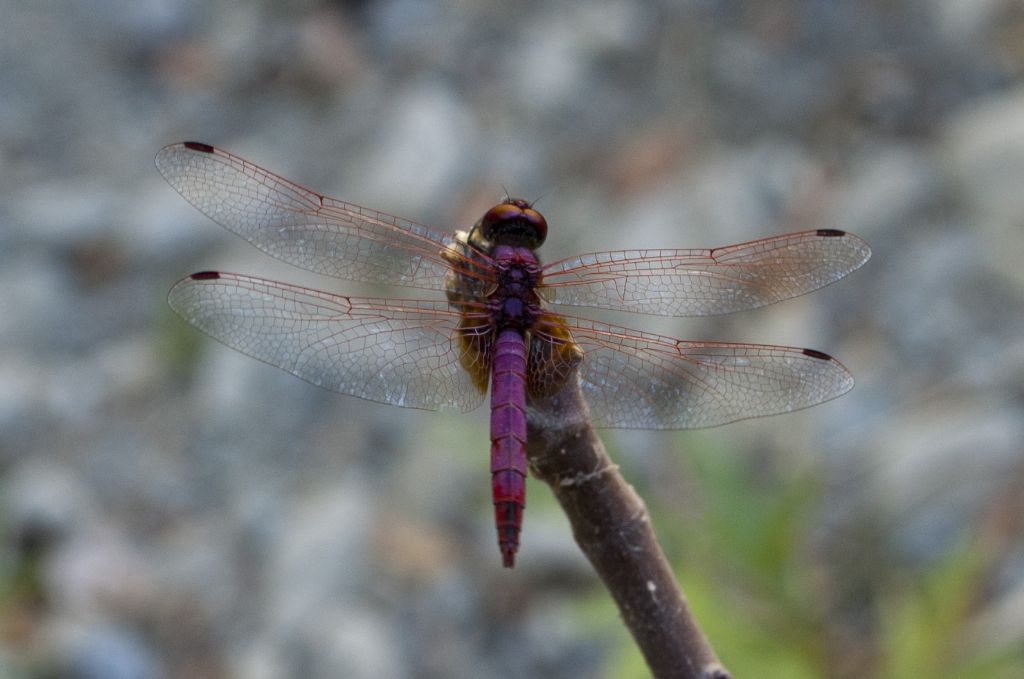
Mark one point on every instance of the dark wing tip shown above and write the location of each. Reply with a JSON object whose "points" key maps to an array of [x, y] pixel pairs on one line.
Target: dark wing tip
{"points": [[198, 146], [831, 233], [814, 353], [214, 275]]}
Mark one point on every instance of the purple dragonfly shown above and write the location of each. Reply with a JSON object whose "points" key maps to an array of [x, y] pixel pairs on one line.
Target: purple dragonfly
{"points": [[496, 328]]}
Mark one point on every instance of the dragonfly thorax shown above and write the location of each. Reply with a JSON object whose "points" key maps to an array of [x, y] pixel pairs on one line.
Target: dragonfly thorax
{"points": [[514, 301]]}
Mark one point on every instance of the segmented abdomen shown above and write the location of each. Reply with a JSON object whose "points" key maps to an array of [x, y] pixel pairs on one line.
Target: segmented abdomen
{"points": [[508, 440]]}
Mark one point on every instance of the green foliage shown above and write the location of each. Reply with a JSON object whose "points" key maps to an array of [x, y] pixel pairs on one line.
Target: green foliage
{"points": [[926, 622], [22, 603], [180, 344], [770, 600]]}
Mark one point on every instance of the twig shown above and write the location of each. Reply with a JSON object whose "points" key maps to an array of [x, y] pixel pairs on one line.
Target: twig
{"points": [[611, 526]]}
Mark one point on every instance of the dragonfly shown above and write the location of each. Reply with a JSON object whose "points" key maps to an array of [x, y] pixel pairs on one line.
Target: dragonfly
{"points": [[497, 328]]}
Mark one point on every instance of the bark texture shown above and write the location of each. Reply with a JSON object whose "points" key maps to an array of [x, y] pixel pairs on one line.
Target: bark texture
{"points": [[610, 524]]}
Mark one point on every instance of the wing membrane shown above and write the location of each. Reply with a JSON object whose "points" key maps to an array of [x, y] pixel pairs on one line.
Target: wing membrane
{"points": [[705, 282], [308, 229], [402, 352], [639, 380]]}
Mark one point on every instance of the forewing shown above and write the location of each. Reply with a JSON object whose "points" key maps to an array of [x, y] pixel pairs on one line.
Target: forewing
{"points": [[402, 352], [705, 282], [639, 380], [308, 229]]}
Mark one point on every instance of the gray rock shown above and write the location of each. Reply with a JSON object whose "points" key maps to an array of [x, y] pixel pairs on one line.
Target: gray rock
{"points": [[984, 145]]}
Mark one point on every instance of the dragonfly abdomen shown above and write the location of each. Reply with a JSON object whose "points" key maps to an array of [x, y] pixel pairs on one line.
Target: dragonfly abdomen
{"points": [[508, 440]]}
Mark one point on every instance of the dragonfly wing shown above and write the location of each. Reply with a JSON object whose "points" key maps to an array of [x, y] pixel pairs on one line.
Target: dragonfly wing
{"points": [[639, 380], [706, 282], [305, 228], [402, 352]]}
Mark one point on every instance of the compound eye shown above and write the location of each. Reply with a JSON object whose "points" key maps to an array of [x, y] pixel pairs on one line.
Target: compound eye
{"points": [[538, 223], [498, 217], [514, 222]]}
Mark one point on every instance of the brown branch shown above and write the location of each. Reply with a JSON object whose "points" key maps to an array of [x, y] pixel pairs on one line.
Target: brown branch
{"points": [[611, 526]]}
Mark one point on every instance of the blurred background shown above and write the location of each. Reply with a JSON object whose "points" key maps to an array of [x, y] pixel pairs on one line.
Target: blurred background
{"points": [[170, 508]]}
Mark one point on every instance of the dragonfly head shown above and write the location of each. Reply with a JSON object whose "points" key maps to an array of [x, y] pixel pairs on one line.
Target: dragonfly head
{"points": [[514, 222]]}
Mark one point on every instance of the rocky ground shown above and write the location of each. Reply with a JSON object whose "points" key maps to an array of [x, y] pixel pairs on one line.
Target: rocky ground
{"points": [[170, 508]]}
